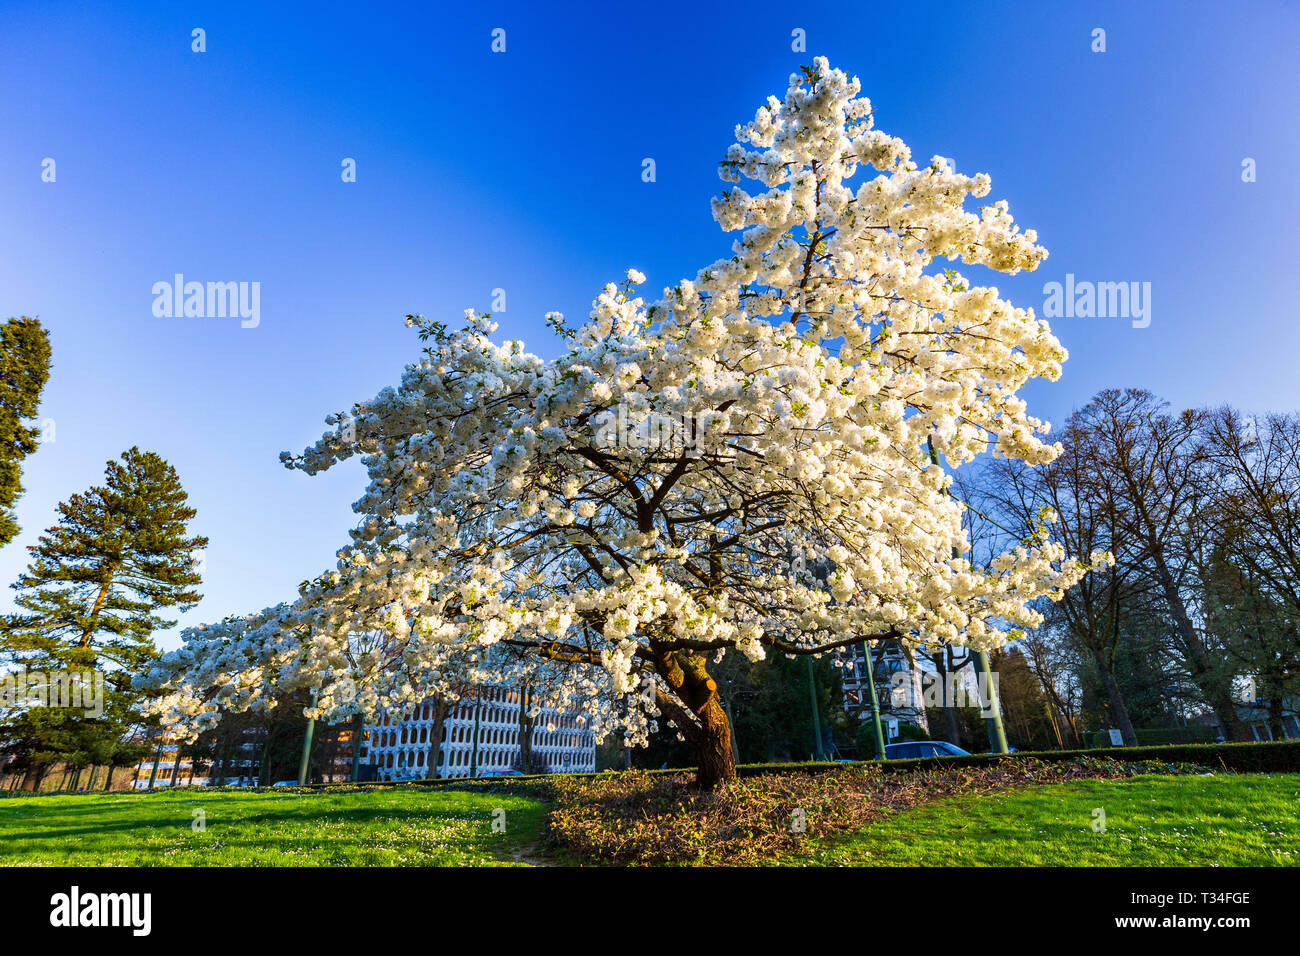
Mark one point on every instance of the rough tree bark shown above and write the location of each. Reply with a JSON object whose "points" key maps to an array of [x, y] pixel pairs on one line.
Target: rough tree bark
{"points": [[1118, 709], [434, 755], [525, 731], [943, 661], [703, 722]]}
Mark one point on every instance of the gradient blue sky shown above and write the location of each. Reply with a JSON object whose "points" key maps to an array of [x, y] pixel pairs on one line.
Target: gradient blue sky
{"points": [[522, 171]]}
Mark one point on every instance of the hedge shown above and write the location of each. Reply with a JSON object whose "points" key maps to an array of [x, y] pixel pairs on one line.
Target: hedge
{"points": [[1272, 756], [1157, 736]]}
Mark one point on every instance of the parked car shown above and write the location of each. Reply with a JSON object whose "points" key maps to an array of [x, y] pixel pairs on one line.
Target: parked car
{"points": [[502, 773], [912, 749]]}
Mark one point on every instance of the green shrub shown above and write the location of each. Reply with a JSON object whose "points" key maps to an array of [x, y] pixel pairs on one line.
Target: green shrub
{"points": [[1158, 736]]}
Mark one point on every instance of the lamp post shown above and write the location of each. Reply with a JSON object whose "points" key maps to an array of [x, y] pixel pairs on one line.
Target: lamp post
{"points": [[304, 764], [157, 756], [989, 701], [875, 705], [818, 751], [731, 725]]}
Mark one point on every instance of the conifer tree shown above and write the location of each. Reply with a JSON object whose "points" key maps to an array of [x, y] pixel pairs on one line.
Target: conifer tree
{"points": [[24, 369], [90, 598]]}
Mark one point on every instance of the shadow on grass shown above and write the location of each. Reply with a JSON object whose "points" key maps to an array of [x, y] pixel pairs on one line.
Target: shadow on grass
{"points": [[311, 830]]}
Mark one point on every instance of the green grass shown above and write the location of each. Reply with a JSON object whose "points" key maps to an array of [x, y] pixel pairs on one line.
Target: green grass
{"points": [[1225, 819], [373, 827], [1220, 820]]}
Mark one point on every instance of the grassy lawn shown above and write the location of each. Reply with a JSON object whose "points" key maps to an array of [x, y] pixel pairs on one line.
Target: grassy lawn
{"points": [[375, 827], [1225, 820]]}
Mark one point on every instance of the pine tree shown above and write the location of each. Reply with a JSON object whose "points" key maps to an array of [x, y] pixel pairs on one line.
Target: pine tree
{"points": [[89, 599], [118, 554], [24, 369]]}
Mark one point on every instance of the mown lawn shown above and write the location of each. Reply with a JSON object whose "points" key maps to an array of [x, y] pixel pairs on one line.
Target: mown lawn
{"points": [[1150, 820], [372, 827], [1219, 820]]}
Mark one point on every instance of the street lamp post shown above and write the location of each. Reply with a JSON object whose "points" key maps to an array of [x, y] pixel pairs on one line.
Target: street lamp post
{"points": [[304, 764], [731, 724], [989, 700], [818, 751], [875, 705]]}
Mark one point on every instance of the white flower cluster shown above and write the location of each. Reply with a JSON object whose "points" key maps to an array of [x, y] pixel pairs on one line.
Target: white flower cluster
{"points": [[505, 536]]}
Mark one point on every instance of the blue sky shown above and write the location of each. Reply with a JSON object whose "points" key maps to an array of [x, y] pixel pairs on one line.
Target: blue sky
{"points": [[522, 171]]}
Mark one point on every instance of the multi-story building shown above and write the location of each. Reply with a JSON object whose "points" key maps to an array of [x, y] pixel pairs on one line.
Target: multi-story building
{"points": [[480, 735], [898, 685]]}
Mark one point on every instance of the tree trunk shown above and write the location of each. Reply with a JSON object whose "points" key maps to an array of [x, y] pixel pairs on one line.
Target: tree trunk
{"points": [[97, 607], [1275, 718], [941, 661], [702, 721], [1118, 709], [1198, 657], [264, 771], [223, 762], [717, 762], [440, 709]]}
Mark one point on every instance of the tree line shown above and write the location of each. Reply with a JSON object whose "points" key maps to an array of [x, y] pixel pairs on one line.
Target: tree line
{"points": [[1200, 611]]}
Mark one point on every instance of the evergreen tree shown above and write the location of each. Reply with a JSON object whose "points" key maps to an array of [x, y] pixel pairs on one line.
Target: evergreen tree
{"points": [[89, 599], [24, 368], [1026, 713]]}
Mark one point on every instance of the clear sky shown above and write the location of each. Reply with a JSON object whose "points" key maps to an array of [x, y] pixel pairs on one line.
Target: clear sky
{"points": [[522, 171]]}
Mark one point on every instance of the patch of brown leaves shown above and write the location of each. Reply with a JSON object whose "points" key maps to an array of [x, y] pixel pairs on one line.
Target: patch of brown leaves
{"points": [[638, 819]]}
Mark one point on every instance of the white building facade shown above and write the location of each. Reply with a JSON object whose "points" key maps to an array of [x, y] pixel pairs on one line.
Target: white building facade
{"points": [[898, 685], [399, 749]]}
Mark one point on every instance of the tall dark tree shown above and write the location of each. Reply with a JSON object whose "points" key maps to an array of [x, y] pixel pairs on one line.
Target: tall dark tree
{"points": [[1149, 460], [24, 369], [1089, 614], [1252, 574], [90, 598]]}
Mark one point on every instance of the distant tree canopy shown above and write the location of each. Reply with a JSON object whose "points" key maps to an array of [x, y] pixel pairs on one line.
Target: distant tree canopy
{"points": [[1200, 509], [24, 369]]}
